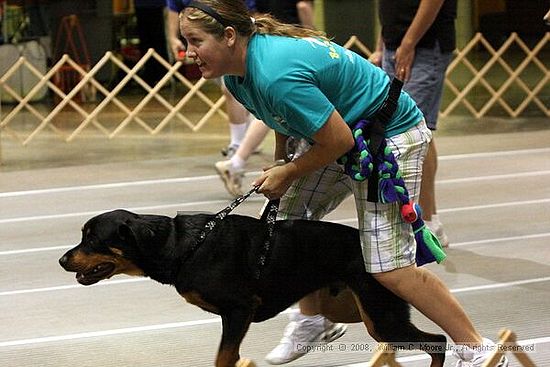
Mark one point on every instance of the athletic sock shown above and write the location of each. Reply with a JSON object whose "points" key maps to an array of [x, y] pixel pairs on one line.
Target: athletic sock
{"points": [[237, 162], [237, 132]]}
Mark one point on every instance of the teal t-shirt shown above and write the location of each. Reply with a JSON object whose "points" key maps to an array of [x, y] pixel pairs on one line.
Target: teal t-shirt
{"points": [[294, 85]]}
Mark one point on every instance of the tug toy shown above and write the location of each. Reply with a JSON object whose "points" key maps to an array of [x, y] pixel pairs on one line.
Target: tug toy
{"points": [[359, 164]]}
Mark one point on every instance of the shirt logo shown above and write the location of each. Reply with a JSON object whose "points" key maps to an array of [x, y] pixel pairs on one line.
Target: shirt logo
{"points": [[280, 120], [332, 51]]}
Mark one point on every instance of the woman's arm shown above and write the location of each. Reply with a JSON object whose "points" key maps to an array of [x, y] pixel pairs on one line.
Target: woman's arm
{"points": [[280, 147], [404, 55], [306, 13], [332, 141], [173, 35]]}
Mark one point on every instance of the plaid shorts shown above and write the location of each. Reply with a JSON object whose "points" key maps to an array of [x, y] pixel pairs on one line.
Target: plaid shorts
{"points": [[387, 241]]}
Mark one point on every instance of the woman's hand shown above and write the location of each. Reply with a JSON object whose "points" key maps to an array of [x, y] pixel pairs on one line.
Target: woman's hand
{"points": [[423, 19], [275, 180], [178, 49], [404, 58], [376, 58], [331, 141]]}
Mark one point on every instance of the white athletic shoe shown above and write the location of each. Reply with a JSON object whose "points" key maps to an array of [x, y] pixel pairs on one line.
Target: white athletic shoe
{"points": [[303, 330], [232, 178], [437, 228], [476, 357], [229, 150]]}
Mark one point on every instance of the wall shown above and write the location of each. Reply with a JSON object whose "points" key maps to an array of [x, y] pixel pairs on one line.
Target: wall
{"points": [[96, 19], [345, 18]]}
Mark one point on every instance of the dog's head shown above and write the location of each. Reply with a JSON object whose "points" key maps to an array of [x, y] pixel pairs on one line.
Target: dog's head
{"points": [[109, 246]]}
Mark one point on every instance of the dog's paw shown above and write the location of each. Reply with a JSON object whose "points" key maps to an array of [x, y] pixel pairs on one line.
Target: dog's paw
{"points": [[243, 362]]}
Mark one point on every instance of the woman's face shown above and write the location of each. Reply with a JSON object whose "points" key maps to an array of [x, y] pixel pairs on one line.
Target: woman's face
{"points": [[209, 52]]}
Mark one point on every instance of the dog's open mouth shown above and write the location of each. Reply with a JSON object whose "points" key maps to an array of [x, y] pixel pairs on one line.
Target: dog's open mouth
{"points": [[98, 273]]}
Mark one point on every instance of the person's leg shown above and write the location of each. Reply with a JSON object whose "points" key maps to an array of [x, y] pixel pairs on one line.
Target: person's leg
{"points": [[389, 251], [311, 198], [431, 65], [232, 171], [254, 136], [425, 86], [427, 293], [239, 118], [427, 188], [309, 305]]}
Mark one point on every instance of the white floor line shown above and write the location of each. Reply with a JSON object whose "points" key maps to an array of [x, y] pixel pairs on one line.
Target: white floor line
{"points": [[346, 220], [218, 203], [493, 177], [495, 205], [137, 329], [500, 285], [500, 153], [254, 199], [139, 280], [108, 186], [102, 333], [252, 173], [73, 286], [473, 207], [34, 250], [211, 177], [501, 239]]}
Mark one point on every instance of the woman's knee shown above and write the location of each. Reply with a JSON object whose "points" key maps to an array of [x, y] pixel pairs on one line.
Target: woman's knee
{"points": [[398, 280]]}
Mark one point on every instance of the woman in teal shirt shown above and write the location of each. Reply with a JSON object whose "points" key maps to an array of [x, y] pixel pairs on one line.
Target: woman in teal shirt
{"points": [[302, 85]]}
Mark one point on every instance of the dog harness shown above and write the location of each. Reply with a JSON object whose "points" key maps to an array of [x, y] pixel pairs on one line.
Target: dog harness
{"points": [[269, 215]]}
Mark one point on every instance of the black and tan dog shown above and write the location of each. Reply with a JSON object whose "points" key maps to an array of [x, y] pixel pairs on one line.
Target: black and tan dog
{"points": [[219, 276]]}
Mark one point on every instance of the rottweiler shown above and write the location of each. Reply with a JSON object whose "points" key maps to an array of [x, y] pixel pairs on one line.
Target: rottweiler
{"points": [[220, 274]]}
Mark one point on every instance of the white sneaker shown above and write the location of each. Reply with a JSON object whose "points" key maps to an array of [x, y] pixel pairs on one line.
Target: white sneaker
{"points": [[229, 150], [437, 228], [232, 178], [476, 357], [304, 330]]}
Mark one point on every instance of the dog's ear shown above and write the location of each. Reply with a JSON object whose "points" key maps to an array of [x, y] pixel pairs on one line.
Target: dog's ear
{"points": [[135, 231]]}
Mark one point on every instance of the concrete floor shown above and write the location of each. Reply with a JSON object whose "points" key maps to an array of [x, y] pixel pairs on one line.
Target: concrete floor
{"points": [[493, 198]]}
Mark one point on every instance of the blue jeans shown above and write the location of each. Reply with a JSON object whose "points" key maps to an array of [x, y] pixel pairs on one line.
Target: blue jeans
{"points": [[425, 84]]}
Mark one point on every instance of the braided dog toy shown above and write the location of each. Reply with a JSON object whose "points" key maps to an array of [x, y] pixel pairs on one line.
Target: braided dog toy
{"points": [[359, 163]]}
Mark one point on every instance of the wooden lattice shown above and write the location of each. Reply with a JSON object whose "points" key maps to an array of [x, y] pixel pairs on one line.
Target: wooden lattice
{"points": [[87, 79], [507, 341], [496, 59], [460, 90], [384, 356]]}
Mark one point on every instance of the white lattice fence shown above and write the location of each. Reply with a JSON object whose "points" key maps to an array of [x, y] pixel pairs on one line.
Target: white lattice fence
{"points": [[87, 87], [534, 64], [471, 78], [490, 80]]}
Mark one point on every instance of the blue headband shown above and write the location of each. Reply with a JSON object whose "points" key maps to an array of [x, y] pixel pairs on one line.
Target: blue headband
{"points": [[208, 10]]}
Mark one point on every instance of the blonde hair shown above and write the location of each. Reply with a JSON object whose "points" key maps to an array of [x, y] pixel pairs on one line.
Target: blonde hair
{"points": [[266, 24], [236, 14]]}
